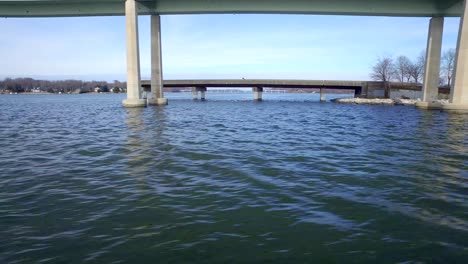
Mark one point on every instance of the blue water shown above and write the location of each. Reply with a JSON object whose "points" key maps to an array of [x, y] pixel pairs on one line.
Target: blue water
{"points": [[286, 180]]}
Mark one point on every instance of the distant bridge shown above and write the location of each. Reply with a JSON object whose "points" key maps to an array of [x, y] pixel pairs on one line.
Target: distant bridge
{"points": [[271, 83], [360, 88], [258, 85]]}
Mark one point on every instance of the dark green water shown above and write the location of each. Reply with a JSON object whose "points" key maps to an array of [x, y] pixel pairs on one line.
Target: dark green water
{"points": [[287, 180]]}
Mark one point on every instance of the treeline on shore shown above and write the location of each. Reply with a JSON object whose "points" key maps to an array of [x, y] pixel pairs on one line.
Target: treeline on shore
{"points": [[404, 70], [30, 85]]}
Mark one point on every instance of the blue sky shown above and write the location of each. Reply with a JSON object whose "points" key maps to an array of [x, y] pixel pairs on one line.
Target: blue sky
{"points": [[213, 46]]}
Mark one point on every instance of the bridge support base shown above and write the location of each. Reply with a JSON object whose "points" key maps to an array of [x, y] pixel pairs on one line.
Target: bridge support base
{"points": [[257, 93], [157, 101], [322, 95], [134, 102], [446, 107]]}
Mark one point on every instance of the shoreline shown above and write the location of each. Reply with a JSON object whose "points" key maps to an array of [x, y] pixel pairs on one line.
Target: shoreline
{"points": [[380, 101]]}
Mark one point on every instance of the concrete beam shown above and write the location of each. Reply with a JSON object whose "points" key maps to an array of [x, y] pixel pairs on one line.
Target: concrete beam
{"points": [[134, 97], [47, 8], [156, 63]]}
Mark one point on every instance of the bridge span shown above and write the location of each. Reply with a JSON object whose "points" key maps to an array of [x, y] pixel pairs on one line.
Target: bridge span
{"points": [[366, 89], [257, 85], [272, 83], [436, 9]]}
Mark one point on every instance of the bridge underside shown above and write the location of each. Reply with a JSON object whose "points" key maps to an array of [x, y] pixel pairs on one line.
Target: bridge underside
{"points": [[59, 8]]}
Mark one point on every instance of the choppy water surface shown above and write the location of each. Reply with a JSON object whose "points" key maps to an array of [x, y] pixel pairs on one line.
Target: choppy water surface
{"points": [[229, 180]]}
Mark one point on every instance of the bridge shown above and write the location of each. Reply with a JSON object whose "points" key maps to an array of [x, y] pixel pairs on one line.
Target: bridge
{"points": [[435, 9], [359, 88], [258, 85]]}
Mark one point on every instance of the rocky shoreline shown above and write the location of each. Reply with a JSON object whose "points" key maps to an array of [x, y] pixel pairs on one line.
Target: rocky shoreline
{"points": [[379, 101]]}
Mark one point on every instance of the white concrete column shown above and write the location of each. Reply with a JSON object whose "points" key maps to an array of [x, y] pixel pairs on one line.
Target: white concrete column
{"points": [[322, 95], [257, 93], [133, 57], [156, 63], [203, 94], [195, 93], [432, 67], [202, 91], [459, 93]]}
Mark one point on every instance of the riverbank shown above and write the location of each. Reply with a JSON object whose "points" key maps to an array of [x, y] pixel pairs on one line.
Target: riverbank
{"points": [[379, 101]]}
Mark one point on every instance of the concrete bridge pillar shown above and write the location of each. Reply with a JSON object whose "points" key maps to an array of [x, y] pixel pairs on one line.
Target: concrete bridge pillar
{"points": [[195, 93], [322, 95], [432, 67], [134, 91], [156, 63], [433, 54], [459, 92], [202, 91], [257, 93], [358, 92]]}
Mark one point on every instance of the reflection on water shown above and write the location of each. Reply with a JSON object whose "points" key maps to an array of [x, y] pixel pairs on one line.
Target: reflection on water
{"points": [[137, 143], [456, 133], [230, 180]]}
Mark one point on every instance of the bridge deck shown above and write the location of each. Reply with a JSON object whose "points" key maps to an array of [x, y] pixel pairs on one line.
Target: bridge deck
{"points": [[49, 8]]}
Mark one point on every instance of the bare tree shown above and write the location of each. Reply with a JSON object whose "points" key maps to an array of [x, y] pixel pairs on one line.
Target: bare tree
{"points": [[402, 69], [448, 63], [383, 71], [417, 68]]}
